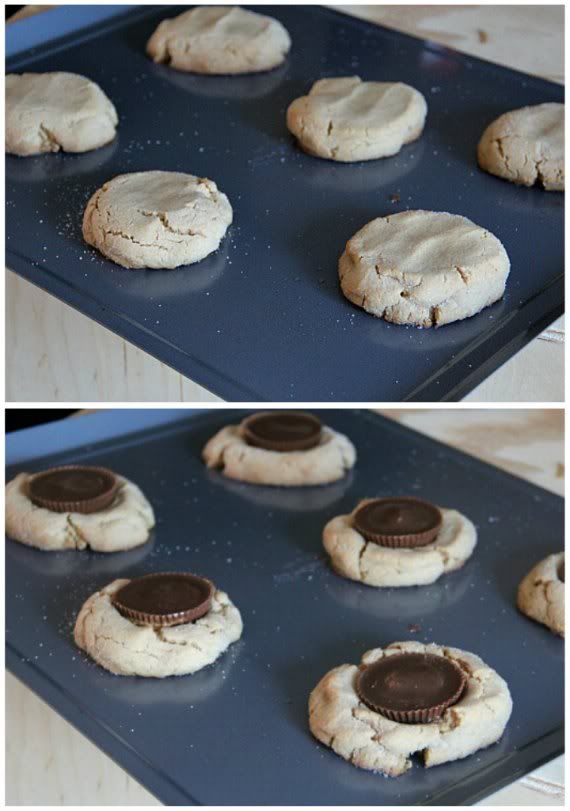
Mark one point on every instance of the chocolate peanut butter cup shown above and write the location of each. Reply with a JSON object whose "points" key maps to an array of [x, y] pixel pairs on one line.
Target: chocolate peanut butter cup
{"points": [[73, 488], [282, 430], [164, 599], [398, 522], [411, 688]]}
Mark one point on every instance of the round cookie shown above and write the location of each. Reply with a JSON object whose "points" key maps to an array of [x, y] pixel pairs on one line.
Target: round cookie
{"points": [[230, 452], [126, 523], [369, 740], [127, 649], [526, 146], [346, 119], [156, 219], [49, 112], [220, 40], [541, 594], [354, 557], [424, 268]]}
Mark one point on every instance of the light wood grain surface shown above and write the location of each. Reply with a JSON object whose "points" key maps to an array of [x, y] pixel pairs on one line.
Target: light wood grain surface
{"points": [[69, 770], [99, 366]]}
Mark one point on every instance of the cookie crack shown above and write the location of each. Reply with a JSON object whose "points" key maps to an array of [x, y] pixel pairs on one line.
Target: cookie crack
{"points": [[159, 633], [165, 55], [539, 177], [454, 720], [549, 602], [77, 536], [377, 738], [142, 515], [460, 663], [462, 274], [502, 153], [124, 645], [163, 217], [49, 139], [121, 235], [444, 554], [361, 571], [84, 617]]}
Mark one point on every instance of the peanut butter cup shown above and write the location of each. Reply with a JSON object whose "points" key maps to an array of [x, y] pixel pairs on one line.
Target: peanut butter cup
{"points": [[398, 522], [73, 488], [282, 430], [411, 688], [164, 599]]}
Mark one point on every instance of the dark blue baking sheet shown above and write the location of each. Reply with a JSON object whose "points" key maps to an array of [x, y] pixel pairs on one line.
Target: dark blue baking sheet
{"points": [[263, 318], [236, 733]]}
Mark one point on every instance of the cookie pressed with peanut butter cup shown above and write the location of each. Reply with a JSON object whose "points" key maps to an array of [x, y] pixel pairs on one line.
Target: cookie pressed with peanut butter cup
{"points": [[77, 507], [411, 688], [284, 448], [164, 599], [398, 522], [541, 594], [73, 488], [393, 542], [408, 699], [282, 430]]}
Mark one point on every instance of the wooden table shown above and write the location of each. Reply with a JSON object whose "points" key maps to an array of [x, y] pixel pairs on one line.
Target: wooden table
{"points": [[54, 353], [49, 763]]}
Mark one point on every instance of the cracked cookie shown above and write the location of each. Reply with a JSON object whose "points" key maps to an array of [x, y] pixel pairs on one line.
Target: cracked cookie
{"points": [[425, 268], [49, 112], [402, 548], [346, 119], [158, 625], [472, 707], [157, 219], [77, 507], [526, 146], [287, 448], [220, 40], [541, 594]]}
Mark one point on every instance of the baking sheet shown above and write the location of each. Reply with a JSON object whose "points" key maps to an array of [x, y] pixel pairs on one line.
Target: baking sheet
{"points": [[263, 318], [237, 733]]}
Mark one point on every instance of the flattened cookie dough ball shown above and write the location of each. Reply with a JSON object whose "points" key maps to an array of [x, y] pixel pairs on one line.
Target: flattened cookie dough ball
{"points": [[77, 507], [526, 146], [157, 219], [158, 625], [425, 268], [541, 594], [347, 119], [220, 40], [471, 705], [280, 448], [412, 552], [49, 112]]}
